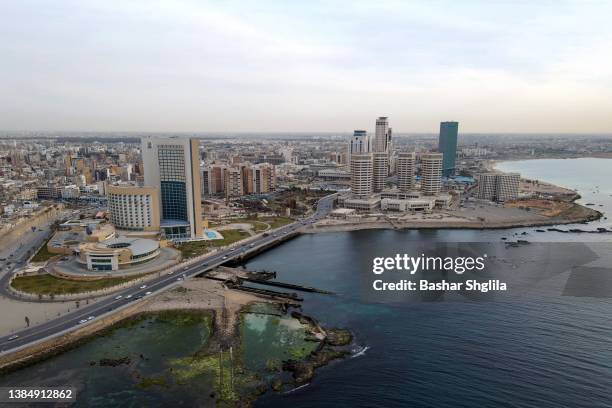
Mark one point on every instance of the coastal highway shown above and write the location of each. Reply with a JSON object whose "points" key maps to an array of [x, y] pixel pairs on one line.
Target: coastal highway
{"points": [[106, 306]]}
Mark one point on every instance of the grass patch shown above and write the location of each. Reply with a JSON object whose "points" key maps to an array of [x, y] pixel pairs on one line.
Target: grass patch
{"points": [[195, 248], [43, 253], [48, 284], [259, 224]]}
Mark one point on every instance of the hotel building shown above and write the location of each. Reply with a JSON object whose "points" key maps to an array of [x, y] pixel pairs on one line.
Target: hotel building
{"points": [[134, 208], [172, 165]]}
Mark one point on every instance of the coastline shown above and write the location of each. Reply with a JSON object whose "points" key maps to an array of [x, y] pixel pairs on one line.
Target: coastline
{"points": [[224, 311]]}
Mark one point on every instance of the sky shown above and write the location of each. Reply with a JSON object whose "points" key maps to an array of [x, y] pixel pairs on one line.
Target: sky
{"points": [[305, 66]]}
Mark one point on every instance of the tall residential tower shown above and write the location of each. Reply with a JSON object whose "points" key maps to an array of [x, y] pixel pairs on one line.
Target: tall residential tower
{"points": [[406, 165], [431, 173]]}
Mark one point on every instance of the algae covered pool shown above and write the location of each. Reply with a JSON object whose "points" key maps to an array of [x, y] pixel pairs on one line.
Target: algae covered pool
{"points": [[167, 358]]}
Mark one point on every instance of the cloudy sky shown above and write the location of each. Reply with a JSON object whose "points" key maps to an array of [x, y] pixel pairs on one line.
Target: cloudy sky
{"points": [[503, 66]]}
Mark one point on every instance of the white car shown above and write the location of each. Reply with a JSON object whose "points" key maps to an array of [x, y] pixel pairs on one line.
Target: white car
{"points": [[179, 279], [225, 257], [170, 273], [143, 286], [148, 293], [13, 337], [128, 297], [91, 317], [118, 297], [82, 321]]}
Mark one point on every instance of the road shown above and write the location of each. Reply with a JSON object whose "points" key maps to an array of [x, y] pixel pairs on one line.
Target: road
{"points": [[16, 256], [157, 285]]}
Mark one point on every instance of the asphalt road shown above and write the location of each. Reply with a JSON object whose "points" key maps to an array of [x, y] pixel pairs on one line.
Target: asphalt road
{"points": [[157, 285]]}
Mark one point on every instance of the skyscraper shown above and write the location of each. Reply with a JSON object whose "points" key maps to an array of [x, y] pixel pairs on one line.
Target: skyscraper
{"points": [[405, 171], [172, 165], [361, 175], [447, 145], [380, 162], [382, 139], [431, 173], [359, 143]]}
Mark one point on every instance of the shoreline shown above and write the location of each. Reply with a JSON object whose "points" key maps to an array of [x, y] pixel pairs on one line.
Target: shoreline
{"points": [[429, 225], [225, 310]]}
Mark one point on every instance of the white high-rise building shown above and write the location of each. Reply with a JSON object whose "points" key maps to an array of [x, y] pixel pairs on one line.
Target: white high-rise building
{"points": [[431, 173], [359, 143], [172, 164], [406, 165], [382, 140], [380, 162], [361, 174]]}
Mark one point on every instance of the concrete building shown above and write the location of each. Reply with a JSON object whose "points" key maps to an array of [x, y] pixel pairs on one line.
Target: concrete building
{"points": [[334, 175], [498, 187], [117, 253], [380, 162], [447, 145], [431, 173], [407, 205], [233, 182], [406, 168], [264, 178], [70, 192], [382, 139], [361, 175], [172, 165], [134, 208]]}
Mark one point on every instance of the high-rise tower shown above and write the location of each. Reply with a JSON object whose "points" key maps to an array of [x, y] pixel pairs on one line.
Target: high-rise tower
{"points": [[431, 173], [382, 140], [447, 145], [172, 164], [380, 163], [361, 175], [405, 171]]}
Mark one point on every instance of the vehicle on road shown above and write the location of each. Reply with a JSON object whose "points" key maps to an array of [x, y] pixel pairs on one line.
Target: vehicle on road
{"points": [[82, 321], [118, 297], [179, 279], [143, 286], [128, 297], [91, 317], [148, 293], [205, 264], [13, 337], [224, 256]]}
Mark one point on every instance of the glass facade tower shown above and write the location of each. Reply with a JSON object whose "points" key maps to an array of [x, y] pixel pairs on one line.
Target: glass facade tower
{"points": [[447, 145]]}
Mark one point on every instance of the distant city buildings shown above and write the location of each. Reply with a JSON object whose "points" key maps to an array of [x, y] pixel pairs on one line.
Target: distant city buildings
{"points": [[238, 179], [447, 145]]}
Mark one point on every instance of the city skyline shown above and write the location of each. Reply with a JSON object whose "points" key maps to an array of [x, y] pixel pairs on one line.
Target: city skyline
{"points": [[239, 67]]}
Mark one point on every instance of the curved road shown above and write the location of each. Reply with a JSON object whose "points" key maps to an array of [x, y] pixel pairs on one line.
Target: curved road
{"points": [[108, 306]]}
